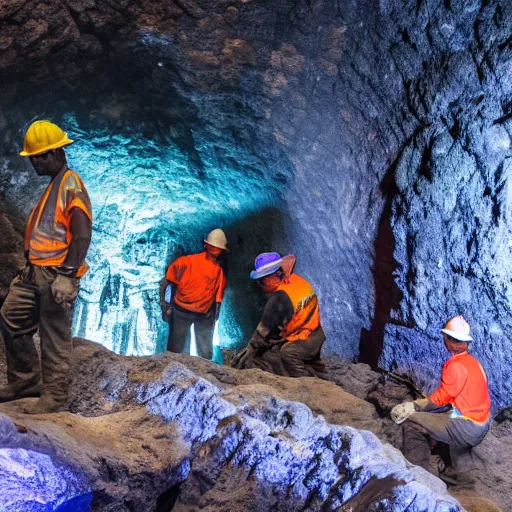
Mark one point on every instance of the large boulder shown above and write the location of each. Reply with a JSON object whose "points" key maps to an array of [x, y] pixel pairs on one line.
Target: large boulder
{"points": [[370, 138], [145, 433]]}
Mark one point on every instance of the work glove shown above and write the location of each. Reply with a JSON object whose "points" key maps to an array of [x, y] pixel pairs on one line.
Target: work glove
{"points": [[422, 404], [402, 411], [259, 339], [64, 289]]}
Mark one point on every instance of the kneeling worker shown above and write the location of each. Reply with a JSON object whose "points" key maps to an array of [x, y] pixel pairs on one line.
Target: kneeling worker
{"points": [[197, 282], [289, 337], [464, 388]]}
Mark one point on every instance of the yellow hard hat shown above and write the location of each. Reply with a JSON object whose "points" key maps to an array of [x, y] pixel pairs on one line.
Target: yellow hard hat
{"points": [[42, 136]]}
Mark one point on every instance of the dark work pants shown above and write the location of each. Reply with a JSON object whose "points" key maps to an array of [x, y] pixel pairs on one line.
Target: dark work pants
{"points": [[298, 355], [299, 358], [29, 306], [179, 332], [460, 434]]}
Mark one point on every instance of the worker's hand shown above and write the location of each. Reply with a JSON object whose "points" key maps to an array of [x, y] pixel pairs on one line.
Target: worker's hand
{"points": [[166, 312], [257, 343], [421, 404], [259, 338], [64, 289], [402, 411]]}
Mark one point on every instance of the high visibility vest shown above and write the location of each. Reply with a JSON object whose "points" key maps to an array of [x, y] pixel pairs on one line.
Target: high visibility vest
{"points": [[306, 314], [47, 236]]}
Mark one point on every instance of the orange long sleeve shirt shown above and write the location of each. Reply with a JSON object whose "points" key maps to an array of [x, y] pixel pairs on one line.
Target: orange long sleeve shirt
{"points": [[464, 385], [200, 282]]}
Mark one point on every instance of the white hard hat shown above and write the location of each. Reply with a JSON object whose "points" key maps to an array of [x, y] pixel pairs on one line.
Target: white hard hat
{"points": [[218, 239], [458, 329]]}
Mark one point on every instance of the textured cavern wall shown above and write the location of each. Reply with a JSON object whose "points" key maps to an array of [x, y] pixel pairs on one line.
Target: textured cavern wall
{"points": [[450, 213], [376, 130]]}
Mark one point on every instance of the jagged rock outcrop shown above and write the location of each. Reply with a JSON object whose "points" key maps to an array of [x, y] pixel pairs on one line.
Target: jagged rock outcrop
{"points": [[148, 432]]}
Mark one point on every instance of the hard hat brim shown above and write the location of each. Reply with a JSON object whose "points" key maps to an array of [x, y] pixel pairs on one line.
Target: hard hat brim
{"points": [[56, 145], [457, 335], [258, 274], [223, 247]]}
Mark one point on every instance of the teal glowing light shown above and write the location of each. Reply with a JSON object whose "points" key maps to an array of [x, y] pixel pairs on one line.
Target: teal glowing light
{"points": [[150, 206]]}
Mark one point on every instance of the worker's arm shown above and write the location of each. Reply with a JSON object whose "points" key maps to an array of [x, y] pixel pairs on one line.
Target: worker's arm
{"points": [[165, 306], [278, 311], [220, 294], [81, 231], [453, 379], [163, 287], [65, 286]]}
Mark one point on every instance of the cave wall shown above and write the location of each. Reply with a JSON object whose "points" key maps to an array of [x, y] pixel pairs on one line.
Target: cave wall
{"points": [[374, 137]]}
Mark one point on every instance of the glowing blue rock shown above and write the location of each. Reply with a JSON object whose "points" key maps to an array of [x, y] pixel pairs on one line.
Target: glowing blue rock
{"points": [[34, 481]]}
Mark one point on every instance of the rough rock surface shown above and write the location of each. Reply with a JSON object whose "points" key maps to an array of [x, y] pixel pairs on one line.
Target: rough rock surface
{"points": [[234, 440], [370, 138]]}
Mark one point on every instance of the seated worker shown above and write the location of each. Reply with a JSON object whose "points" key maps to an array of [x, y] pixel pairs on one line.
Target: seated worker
{"points": [[463, 389], [289, 337], [197, 282]]}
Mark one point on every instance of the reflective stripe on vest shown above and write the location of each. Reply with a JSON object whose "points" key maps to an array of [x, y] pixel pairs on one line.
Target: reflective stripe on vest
{"points": [[48, 236], [306, 316]]}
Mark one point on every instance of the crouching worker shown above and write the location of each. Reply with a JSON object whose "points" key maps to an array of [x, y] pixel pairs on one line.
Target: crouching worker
{"points": [[197, 286], [457, 413], [289, 337], [57, 237]]}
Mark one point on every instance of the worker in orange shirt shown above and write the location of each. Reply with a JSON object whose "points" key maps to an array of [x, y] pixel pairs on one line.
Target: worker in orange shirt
{"points": [[288, 339], [41, 296], [197, 284], [458, 412]]}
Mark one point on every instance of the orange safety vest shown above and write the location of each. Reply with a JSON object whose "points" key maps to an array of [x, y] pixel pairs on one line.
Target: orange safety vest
{"points": [[47, 237], [306, 314]]}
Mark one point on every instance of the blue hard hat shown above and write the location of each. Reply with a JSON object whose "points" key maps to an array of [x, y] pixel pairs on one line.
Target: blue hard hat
{"points": [[265, 264]]}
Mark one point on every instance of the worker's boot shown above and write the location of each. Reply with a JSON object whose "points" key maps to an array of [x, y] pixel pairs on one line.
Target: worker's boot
{"points": [[47, 404], [21, 389], [54, 394], [23, 372]]}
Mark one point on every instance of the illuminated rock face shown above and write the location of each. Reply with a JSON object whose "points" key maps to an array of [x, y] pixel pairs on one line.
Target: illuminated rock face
{"points": [[33, 480], [370, 140], [172, 429]]}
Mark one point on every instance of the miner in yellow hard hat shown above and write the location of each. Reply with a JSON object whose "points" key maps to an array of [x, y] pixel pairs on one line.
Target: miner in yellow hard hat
{"points": [[41, 296]]}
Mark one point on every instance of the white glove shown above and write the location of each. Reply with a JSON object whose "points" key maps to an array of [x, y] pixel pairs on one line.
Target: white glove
{"points": [[401, 412]]}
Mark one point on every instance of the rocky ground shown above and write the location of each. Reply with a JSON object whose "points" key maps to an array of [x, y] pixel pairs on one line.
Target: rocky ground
{"points": [[152, 433]]}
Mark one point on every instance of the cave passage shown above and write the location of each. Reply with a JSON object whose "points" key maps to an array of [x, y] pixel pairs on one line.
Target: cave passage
{"points": [[151, 206]]}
